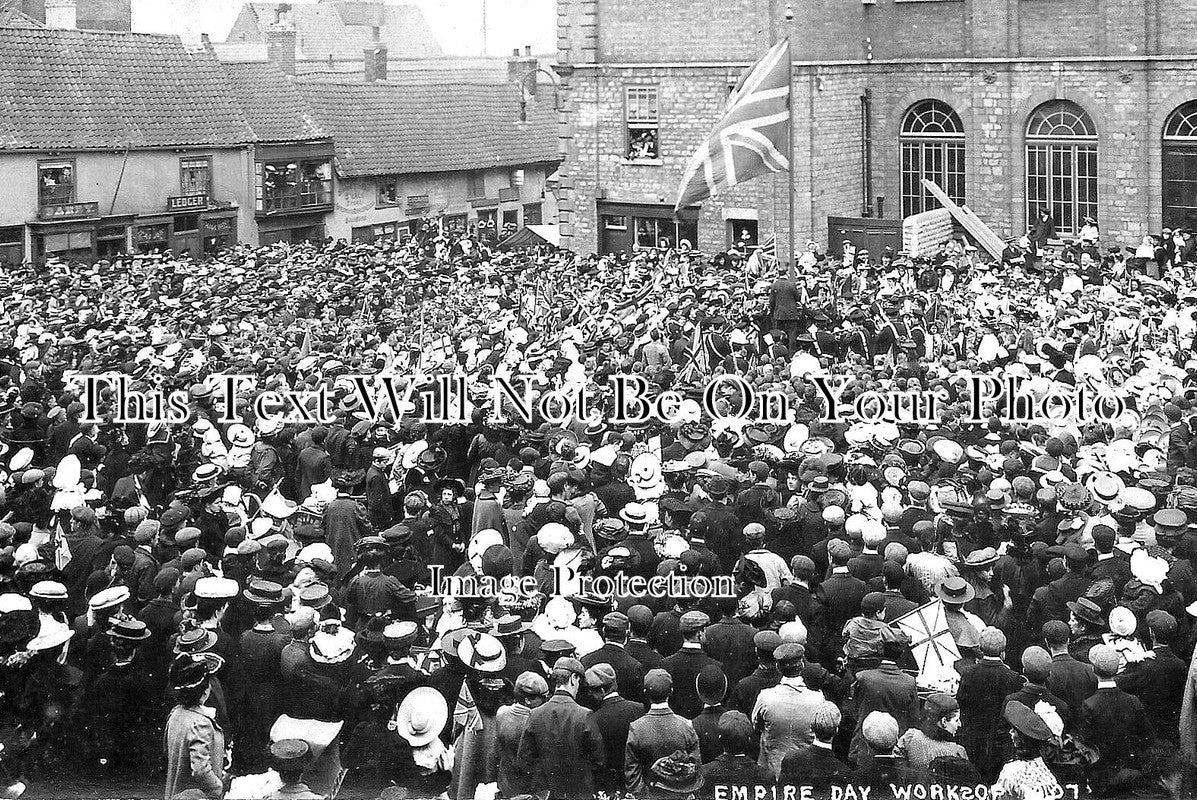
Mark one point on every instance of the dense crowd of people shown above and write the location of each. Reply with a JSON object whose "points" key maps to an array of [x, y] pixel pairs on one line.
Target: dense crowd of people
{"points": [[242, 604]]}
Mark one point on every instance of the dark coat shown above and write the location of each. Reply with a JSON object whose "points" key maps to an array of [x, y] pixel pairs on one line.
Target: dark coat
{"points": [[984, 687], [1070, 680], [840, 595], [784, 300], [1159, 683], [684, 666], [743, 694], [727, 769], [813, 766], [562, 746], [629, 674], [640, 650], [315, 466], [1116, 724], [613, 718], [706, 726], [729, 642]]}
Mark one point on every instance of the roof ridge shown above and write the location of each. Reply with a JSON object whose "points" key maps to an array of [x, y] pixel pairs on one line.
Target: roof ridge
{"points": [[47, 32]]}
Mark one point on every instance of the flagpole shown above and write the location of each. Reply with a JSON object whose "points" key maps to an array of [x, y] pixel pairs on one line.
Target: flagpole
{"points": [[790, 95]]}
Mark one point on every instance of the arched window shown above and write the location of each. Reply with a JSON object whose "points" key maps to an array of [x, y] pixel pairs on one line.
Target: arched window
{"points": [[1180, 167], [932, 143], [1061, 165]]}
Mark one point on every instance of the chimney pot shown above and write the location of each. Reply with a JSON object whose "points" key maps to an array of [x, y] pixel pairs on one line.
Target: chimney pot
{"points": [[528, 50]]}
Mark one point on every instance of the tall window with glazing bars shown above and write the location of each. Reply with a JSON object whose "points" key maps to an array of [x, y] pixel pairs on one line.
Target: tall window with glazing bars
{"points": [[932, 142], [1061, 165]]}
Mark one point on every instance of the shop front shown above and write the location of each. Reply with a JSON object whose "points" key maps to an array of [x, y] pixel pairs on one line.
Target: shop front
{"points": [[76, 232], [192, 225], [294, 229], [636, 226]]}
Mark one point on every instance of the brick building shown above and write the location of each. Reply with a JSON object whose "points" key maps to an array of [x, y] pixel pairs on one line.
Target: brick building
{"points": [[1088, 107], [478, 155]]}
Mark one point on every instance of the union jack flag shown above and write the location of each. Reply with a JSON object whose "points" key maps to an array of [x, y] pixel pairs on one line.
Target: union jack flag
{"points": [[753, 136], [931, 639]]}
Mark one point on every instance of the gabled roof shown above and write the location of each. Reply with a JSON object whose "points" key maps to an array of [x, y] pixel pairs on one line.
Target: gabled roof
{"points": [[79, 90], [11, 17], [343, 29], [275, 110], [388, 128]]}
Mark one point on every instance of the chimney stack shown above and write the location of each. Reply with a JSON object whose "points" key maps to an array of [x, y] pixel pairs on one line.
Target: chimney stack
{"points": [[280, 47], [376, 63], [61, 14], [521, 70]]}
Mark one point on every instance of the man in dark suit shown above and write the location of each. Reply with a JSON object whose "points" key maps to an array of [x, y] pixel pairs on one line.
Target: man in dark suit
{"points": [[84, 445], [896, 603], [1109, 564], [562, 745], [629, 674], [867, 565], [806, 604], [729, 641], [378, 489], [712, 689], [613, 717], [765, 676], [686, 663], [984, 687], [1036, 668], [640, 623], [315, 466], [886, 689], [840, 595], [785, 301], [1116, 724], [1159, 680], [1068, 679]]}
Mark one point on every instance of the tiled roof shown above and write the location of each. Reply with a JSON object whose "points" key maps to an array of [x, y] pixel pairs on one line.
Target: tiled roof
{"points": [[68, 89], [229, 52], [275, 110], [324, 29], [389, 128], [11, 17]]}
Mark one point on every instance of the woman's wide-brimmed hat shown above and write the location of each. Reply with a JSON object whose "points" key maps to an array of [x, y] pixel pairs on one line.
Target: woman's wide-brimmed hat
{"points": [[421, 716]]}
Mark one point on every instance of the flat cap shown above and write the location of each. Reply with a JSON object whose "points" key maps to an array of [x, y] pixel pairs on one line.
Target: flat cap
{"points": [[766, 641], [529, 683], [839, 549], [693, 621], [616, 621], [789, 652], [600, 675]]}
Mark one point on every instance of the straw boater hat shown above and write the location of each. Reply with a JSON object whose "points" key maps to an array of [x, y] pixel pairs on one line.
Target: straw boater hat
{"points": [[421, 716], [482, 652]]}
